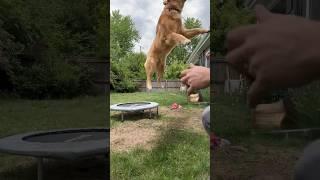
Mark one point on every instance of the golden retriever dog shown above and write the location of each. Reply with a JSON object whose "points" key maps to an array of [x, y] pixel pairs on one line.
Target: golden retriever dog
{"points": [[170, 32]]}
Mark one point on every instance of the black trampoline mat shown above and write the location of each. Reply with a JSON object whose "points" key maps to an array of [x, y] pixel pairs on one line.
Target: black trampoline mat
{"points": [[72, 136], [66, 144], [133, 104]]}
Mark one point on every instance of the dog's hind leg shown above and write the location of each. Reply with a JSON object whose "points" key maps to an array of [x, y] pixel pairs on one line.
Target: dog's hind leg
{"points": [[160, 72], [150, 68]]}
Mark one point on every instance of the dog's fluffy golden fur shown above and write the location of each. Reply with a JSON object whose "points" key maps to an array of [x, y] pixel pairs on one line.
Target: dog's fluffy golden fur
{"points": [[170, 33]]}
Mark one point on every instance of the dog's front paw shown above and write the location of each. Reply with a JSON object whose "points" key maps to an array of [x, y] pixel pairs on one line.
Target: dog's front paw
{"points": [[205, 31], [186, 41]]}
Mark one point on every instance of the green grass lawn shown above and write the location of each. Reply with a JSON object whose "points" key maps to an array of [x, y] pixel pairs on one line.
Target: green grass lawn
{"points": [[177, 154], [19, 116], [163, 98]]}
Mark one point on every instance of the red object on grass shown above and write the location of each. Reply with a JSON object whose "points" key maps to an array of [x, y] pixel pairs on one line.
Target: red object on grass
{"points": [[214, 140], [175, 106]]}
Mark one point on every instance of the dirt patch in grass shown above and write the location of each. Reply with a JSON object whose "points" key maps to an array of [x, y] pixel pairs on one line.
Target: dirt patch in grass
{"points": [[187, 119], [143, 133], [133, 134]]}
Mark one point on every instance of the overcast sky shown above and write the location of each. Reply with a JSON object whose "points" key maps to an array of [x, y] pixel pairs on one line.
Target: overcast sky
{"points": [[145, 14]]}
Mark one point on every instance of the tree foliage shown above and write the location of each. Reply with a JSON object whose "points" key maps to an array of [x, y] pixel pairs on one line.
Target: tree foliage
{"points": [[226, 15], [126, 66], [123, 35], [126, 70], [39, 37], [174, 70]]}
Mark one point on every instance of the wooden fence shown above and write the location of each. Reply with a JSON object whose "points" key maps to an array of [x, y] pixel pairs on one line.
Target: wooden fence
{"points": [[224, 78], [169, 85], [101, 71]]}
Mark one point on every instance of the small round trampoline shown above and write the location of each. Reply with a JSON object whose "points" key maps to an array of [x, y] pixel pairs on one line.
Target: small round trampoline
{"points": [[67, 144], [135, 107]]}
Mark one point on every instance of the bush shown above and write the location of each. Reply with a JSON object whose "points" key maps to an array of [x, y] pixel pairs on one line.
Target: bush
{"points": [[120, 78], [125, 70], [36, 37], [66, 81], [52, 80], [135, 64], [307, 105], [86, 84], [173, 71]]}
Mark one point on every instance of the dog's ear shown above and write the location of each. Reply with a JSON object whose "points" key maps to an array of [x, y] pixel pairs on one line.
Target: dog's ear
{"points": [[165, 2]]}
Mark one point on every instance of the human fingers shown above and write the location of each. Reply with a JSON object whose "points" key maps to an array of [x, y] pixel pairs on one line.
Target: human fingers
{"points": [[238, 36]]}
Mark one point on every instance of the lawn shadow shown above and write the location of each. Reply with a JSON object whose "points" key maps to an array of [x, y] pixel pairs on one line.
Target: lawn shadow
{"points": [[85, 169], [175, 141], [135, 116]]}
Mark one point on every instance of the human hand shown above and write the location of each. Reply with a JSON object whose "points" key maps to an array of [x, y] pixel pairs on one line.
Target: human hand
{"points": [[196, 77], [281, 51]]}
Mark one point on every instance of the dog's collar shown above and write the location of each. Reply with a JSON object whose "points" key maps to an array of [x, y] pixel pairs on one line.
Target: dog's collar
{"points": [[173, 8]]}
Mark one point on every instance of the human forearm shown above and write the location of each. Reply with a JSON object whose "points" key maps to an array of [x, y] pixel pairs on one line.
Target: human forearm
{"points": [[207, 78]]}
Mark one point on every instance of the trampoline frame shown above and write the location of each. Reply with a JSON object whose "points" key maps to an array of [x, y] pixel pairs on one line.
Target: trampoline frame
{"points": [[48, 155], [153, 105], [40, 167]]}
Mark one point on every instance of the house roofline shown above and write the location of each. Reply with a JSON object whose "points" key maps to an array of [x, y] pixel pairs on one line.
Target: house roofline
{"points": [[205, 40], [268, 4]]}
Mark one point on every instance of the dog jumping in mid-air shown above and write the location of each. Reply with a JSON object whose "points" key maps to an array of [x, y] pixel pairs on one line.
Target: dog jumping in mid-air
{"points": [[170, 32]]}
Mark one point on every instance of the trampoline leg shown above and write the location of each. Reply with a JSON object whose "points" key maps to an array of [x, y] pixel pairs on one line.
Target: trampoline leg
{"points": [[150, 113], [157, 111], [122, 116], [40, 168]]}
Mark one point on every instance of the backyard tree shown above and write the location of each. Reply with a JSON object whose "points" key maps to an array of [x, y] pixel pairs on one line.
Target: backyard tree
{"points": [[38, 38], [126, 66], [102, 30], [123, 35]]}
